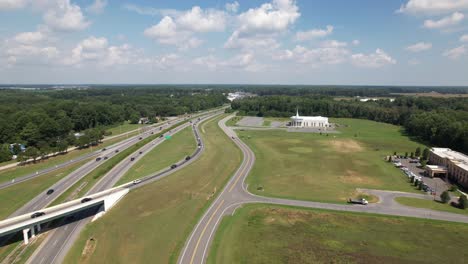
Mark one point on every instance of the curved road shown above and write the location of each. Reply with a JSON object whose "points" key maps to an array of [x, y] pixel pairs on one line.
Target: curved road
{"points": [[235, 194], [55, 247]]}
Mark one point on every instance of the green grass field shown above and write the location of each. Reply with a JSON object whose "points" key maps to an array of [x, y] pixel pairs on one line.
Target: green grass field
{"points": [[233, 121], [275, 234], [123, 128], [429, 204], [310, 166], [162, 213], [10, 201], [168, 152]]}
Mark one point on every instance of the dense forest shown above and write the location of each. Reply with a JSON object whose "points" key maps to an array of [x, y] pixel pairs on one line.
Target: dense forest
{"points": [[45, 120], [440, 122]]}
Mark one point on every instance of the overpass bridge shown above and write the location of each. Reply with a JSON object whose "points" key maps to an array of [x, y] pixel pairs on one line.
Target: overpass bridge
{"points": [[30, 226]]}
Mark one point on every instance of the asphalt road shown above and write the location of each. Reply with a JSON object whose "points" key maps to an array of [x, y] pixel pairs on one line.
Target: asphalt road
{"points": [[235, 194], [55, 247]]}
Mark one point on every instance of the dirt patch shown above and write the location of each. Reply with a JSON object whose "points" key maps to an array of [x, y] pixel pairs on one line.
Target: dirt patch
{"points": [[353, 177], [89, 248], [344, 145], [300, 150]]}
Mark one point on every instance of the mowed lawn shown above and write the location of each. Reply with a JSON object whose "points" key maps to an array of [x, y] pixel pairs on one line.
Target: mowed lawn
{"points": [[275, 234], [429, 204], [310, 166], [168, 152], [151, 224]]}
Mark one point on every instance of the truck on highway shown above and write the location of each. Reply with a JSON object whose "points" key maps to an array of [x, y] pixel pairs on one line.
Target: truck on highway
{"points": [[358, 201]]}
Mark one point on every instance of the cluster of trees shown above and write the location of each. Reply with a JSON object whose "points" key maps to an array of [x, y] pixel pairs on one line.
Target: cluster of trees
{"points": [[45, 120], [438, 121]]}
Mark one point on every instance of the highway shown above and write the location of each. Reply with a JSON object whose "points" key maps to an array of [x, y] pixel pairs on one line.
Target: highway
{"points": [[55, 247], [235, 194]]}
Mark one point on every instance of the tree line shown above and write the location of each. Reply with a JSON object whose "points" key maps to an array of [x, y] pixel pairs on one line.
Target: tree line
{"points": [[45, 121], [437, 121]]}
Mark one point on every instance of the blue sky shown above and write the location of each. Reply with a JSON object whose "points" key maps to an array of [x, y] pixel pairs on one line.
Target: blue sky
{"points": [[368, 42]]}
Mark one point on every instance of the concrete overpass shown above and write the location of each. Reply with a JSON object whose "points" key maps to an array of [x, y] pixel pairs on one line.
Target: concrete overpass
{"points": [[30, 226]]}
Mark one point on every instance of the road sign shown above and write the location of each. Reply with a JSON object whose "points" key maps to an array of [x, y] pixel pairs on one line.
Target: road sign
{"points": [[167, 137]]}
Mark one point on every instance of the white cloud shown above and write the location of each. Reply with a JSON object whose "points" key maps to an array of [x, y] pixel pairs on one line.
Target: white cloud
{"points": [[418, 47], [314, 33], [276, 16], [29, 37], [356, 42], [456, 53], [258, 41], [464, 38], [327, 54], [199, 20], [444, 22], [433, 6], [65, 16], [232, 7], [373, 60], [12, 4], [97, 7], [167, 32]]}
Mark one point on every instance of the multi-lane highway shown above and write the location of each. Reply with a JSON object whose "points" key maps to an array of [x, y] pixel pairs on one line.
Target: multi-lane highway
{"points": [[235, 194], [59, 241]]}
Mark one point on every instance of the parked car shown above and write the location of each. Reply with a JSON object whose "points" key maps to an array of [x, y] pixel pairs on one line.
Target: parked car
{"points": [[50, 191], [86, 200], [37, 214]]}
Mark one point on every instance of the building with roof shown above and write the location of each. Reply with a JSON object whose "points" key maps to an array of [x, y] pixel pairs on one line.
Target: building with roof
{"points": [[450, 163], [309, 121]]}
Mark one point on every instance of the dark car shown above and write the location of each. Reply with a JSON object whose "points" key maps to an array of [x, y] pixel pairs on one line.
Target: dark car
{"points": [[141, 152], [37, 214], [187, 158], [116, 151], [161, 136], [173, 166], [104, 149], [152, 133], [86, 200], [160, 128], [132, 159], [105, 157], [50, 191], [140, 138], [98, 158]]}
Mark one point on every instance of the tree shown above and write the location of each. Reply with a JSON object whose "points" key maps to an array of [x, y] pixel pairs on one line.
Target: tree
{"points": [[394, 153], [420, 185], [406, 155], [5, 154], [425, 154], [389, 158], [412, 155], [463, 202], [62, 146], [412, 179], [445, 197], [416, 182], [417, 153], [31, 153]]}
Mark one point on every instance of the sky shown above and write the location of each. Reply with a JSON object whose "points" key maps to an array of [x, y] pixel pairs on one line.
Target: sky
{"points": [[336, 42]]}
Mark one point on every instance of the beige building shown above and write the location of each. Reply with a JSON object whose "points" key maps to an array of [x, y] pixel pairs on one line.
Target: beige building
{"points": [[449, 163]]}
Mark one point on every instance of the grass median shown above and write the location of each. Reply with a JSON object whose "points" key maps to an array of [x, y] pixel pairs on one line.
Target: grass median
{"points": [[327, 167], [166, 153], [278, 234], [151, 224]]}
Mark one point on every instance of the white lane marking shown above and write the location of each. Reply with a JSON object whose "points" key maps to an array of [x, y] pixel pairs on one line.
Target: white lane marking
{"points": [[42, 260], [55, 243]]}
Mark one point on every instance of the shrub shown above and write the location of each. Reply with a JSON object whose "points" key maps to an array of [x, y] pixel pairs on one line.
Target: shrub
{"points": [[416, 182], [462, 202], [445, 197], [412, 179], [420, 185], [453, 188]]}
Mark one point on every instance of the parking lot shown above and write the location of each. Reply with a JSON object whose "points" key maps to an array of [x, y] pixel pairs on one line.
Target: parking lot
{"points": [[436, 184]]}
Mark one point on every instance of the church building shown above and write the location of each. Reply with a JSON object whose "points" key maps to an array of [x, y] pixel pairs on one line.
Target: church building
{"points": [[309, 121]]}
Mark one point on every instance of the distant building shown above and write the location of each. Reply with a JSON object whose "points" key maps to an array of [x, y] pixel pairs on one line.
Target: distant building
{"points": [[143, 120], [451, 164], [309, 121], [238, 95]]}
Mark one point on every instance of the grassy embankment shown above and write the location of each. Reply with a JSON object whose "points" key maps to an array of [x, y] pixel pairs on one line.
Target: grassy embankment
{"points": [[429, 204], [310, 166], [162, 213], [233, 121], [87, 182], [168, 152], [276, 234]]}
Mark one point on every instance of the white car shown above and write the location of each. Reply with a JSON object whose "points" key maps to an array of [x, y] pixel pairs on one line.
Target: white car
{"points": [[137, 181]]}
